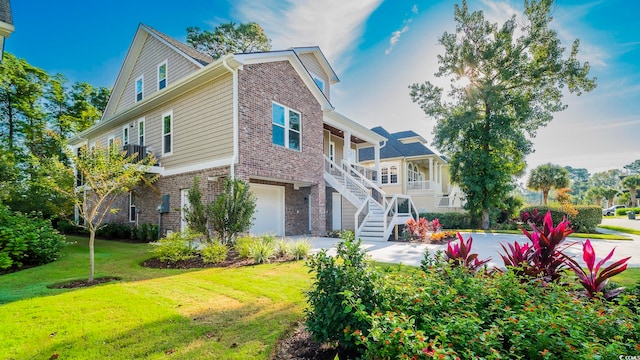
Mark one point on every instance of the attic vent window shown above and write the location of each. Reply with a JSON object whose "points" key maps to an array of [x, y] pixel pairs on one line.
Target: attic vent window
{"points": [[319, 82], [139, 88], [162, 75]]}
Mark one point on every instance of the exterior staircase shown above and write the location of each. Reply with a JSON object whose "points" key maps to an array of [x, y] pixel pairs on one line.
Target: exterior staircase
{"points": [[376, 215]]}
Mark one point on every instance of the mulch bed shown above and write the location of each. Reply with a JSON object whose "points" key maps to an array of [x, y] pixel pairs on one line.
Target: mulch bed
{"points": [[73, 284], [300, 346], [233, 260]]}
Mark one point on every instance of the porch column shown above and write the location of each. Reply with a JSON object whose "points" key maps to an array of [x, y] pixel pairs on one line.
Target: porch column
{"points": [[440, 175], [347, 147], [431, 178], [376, 157]]}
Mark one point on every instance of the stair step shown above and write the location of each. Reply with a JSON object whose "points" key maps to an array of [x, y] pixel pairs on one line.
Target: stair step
{"points": [[371, 238]]}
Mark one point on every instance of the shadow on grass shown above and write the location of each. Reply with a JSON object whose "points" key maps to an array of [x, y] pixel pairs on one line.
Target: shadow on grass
{"points": [[247, 332]]}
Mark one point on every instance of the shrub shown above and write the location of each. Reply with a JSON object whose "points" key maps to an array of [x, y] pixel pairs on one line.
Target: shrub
{"points": [[262, 250], [460, 254], [300, 249], [67, 227], [450, 220], [232, 211], [116, 231], [586, 220], [283, 248], [624, 211], [214, 253], [242, 245], [177, 246], [27, 240], [331, 317]]}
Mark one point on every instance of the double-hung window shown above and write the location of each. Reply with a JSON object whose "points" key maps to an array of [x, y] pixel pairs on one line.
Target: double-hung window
{"points": [[141, 132], [162, 75], [132, 207], [286, 127], [167, 133], [389, 174], [139, 88]]}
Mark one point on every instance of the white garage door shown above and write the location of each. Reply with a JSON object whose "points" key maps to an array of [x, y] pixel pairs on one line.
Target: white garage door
{"points": [[269, 215]]}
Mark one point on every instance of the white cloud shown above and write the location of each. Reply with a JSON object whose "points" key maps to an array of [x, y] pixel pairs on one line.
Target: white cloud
{"points": [[334, 25], [395, 36]]}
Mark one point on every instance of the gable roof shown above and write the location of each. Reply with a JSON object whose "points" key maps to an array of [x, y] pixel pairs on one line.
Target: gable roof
{"points": [[395, 148], [185, 49]]}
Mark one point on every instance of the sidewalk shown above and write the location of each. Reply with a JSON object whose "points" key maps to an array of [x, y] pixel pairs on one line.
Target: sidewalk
{"points": [[623, 222]]}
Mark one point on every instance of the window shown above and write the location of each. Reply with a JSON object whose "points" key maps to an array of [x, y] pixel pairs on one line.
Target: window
{"points": [[162, 75], [167, 133], [132, 207], [286, 127], [319, 82], [389, 174], [110, 141], [125, 135], [141, 132], [139, 88]]}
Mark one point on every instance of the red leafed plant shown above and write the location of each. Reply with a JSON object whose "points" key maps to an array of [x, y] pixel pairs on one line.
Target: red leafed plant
{"points": [[547, 257], [519, 258], [418, 229], [460, 254], [596, 279]]}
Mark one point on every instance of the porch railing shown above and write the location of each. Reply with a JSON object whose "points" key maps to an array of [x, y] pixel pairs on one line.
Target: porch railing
{"points": [[375, 192], [419, 185], [399, 210]]}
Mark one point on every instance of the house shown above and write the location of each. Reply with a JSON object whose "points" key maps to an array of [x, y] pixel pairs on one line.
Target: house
{"points": [[265, 117], [409, 167], [6, 24]]}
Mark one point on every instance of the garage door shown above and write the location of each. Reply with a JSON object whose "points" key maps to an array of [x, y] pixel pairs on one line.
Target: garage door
{"points": [[269, 215]]}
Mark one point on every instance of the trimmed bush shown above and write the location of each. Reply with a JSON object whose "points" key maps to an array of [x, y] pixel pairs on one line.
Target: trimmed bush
{"points": [[214, 253], [300, 249], [624, 211], [262, 250], [27, 240], [588, 217], [450, 220]]}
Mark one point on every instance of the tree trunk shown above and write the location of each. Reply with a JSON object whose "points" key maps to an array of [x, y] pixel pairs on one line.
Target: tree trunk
{"points": [[92, 237], [632, 197], [485, 219], [545, 197]]}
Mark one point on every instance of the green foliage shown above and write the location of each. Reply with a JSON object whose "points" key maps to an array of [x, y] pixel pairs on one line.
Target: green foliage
{"points": [[27, 240], [633, 184], [331, 316], [229, 38], [177, 246], [242, 245], [283, 247], [579, 182], [624, 211], [195, 214], [585, 221], [262, 250], [450, 220], [634, 167], [516, 73], [214, 253], [232, 211], [457, 314], [300, 249], [546, 177]]}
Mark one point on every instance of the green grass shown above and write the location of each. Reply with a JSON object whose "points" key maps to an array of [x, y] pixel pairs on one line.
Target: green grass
{"points": [[234, 313], [620, 229], [629, 277]]}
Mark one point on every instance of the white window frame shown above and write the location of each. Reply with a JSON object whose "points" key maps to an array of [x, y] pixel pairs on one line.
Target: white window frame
{"points": [[135, 88], [111, 139], [126, 135], [163, 134], [385, 171], [287, 126], [132, 208], [166, 75], [141, 136]]}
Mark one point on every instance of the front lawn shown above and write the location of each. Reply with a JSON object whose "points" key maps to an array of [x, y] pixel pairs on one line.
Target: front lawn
{"points": [[233, 313]]}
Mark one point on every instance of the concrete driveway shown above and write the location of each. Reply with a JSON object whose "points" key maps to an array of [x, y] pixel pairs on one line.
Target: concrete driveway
{"points": [[486, 245]]}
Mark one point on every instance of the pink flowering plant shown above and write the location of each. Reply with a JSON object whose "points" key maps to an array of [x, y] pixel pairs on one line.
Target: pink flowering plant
{"points": [[460, 254]]}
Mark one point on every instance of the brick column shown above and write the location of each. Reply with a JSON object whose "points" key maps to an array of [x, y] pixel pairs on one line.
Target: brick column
{"points": [[317, 199]]}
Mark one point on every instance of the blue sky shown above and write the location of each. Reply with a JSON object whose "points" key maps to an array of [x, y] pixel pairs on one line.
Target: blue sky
{"points": [[378, 48]]}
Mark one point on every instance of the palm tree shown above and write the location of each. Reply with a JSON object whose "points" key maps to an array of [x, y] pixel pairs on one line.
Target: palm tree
{"points": [[548, 176], [632, 183], [609, 194], [596, 194]]}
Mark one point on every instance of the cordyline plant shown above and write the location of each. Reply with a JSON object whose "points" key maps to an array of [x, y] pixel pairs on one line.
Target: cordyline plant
{"points": [[596, 279], [421, 227], [518, 258], [460, 254], [547, 243]]}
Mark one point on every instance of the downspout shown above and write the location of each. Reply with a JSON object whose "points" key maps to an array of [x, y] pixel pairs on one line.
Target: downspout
{"points": [[234, 159]]}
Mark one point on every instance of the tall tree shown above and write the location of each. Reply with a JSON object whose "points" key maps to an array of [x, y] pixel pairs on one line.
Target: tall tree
{"points": [[634, 167], [546, 177], [229, 38], [633, 184], [610, 194], [606, 179], [504, 88], [579, 182], [107, 173], [596, 194]]}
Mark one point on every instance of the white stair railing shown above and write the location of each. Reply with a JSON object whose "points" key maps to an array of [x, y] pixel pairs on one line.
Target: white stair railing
{"points": [[353, 190], [400, 209], [377, 194]]}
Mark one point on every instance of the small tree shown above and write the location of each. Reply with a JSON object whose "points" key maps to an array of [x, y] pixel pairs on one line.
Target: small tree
{"points": [[194, 214], [610, 194], [548, 176], [105, 174], [632, 183], [232, 211], [595, 193]]}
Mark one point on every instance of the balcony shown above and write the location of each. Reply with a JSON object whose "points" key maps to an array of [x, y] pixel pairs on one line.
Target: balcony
{"points": [[140, 152]]}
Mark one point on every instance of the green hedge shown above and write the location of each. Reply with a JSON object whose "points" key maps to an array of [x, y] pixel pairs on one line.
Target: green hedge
{"points": [[588, 217], [623, 211], [450, 220]]}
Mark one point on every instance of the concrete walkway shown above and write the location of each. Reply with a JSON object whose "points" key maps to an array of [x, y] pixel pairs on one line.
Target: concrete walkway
{"points": [[486, 245]]}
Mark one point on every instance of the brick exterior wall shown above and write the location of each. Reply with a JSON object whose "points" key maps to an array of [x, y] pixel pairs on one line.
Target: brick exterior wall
{"points": [[259, 86]]}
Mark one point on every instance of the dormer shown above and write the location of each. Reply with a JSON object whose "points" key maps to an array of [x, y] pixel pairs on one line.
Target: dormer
{"points": [[409, 137]]}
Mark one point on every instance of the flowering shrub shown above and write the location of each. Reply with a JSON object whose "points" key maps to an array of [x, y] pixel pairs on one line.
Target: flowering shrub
{"points": [[442, 235], [420, 229]]}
